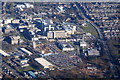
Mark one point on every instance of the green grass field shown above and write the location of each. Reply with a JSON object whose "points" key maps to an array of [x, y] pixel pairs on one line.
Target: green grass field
{"points": [[26, 69], [89, 28]]}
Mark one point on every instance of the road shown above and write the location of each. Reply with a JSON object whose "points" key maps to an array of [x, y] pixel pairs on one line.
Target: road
{"points": [[112, 62], [91, 22]]}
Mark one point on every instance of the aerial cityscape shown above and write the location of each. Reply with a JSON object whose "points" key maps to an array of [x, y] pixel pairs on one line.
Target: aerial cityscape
{"points": [[57, 40]]}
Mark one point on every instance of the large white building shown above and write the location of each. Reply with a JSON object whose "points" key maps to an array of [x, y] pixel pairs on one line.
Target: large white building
{"points": [[83, 44], [3, 53], [26, 51], [44, 63], [57, 34], [22, 26], [20, 6], [25, 5], [16, 21], [7, 21]]}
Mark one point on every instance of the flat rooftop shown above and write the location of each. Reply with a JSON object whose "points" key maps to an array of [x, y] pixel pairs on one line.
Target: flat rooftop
{"points": [[44, 62], [3, 53], [26, 51]]}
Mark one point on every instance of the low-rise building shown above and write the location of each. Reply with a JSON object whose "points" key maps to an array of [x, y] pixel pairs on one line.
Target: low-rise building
{"points": [[65, 46], [21, 62], [31, 73], [83, 44], [20, 6], [8, 29], [45, 63], [57, 34], [49, 27], [24, 62], [13, 39], [93, 52], [26, 51], [15, 21], [4, 53], [28, 5], [60, 9], [70, 28], [22, 26], [25, 5], [7, 21]]}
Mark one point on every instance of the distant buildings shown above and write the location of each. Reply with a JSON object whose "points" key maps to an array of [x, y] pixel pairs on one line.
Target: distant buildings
{"points": [[25, 5], [43, 28], [60, 9], [28, 5], [111, 33], [52, 31]]}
